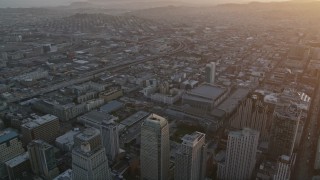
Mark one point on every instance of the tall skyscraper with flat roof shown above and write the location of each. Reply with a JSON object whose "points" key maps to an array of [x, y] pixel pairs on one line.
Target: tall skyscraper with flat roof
{"points": [[284, 166], [155, 148], [240, 156], [110, 138], [191, 158], [210, 72], [89, 160], [284, 130]]}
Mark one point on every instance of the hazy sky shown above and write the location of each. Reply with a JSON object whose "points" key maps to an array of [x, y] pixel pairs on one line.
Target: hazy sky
{"points": [[39, 3]]}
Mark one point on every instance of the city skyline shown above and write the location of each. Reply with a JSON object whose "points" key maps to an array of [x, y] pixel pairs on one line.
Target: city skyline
{"points": [[160, 90]]}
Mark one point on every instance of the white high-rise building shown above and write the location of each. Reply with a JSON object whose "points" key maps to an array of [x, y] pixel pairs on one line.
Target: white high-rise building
{"points": [[155, 148], [240, 156], [284, 166], [191, 158], [89, 160], [210, 71], [110, 139]]}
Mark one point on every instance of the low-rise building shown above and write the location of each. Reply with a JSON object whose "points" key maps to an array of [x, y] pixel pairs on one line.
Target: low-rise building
{"points": [[167, 98], [19, 165], [10, 147], [111, 94], [205, 97], [95, 119], [45, 127], [67, 175], [66, 141]]}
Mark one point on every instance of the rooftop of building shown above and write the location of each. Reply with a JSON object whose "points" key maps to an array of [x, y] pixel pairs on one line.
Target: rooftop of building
{"points": [[297, 52], [66, 175], [86, 153], [110, 90], [206, 91], [111, 106], [192, 139], [138, 116], [7, 134], [88, 134], [285, 158], [44, 145], [243, 132], [39, 121], [18, 160], [233, 101], [98, 116], [155, 121], [286, 110], [68, 137]]}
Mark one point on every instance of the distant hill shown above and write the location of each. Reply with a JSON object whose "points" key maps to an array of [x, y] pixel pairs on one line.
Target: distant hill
{"points": [[101, 23], [273, 11]]}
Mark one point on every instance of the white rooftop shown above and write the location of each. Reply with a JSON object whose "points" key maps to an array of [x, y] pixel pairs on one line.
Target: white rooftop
{"points": [[39, 121]]}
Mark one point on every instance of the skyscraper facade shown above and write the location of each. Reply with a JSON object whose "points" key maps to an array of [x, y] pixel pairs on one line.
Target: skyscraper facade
{"points": [[42, 159], [89, 160], [210, 72], [190, 159], [155, 148], [110, 139], [284, 166], [240, 156], [253, 114], [284, 129]]}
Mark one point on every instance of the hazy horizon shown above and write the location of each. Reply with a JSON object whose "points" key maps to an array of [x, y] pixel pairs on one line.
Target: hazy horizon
{"points": [[46, 3]]}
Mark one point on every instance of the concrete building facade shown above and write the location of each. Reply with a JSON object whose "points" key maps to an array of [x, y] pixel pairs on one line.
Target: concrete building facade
{"points": [[210, 72], [110, 139], [284, 130], [45, 127], [89, 160], [155, 148], [190, 159], [10, 147], [42, 159], [240, 156]]}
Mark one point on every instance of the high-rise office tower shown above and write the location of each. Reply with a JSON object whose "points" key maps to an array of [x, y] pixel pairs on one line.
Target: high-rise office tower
{"points": [[284, 167], [284, 129], [155, 148], [89, 160], [191, 157], [210, 71], [253, 114], [110, 138], [42, 159], [240, 156], [10, 147]]}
